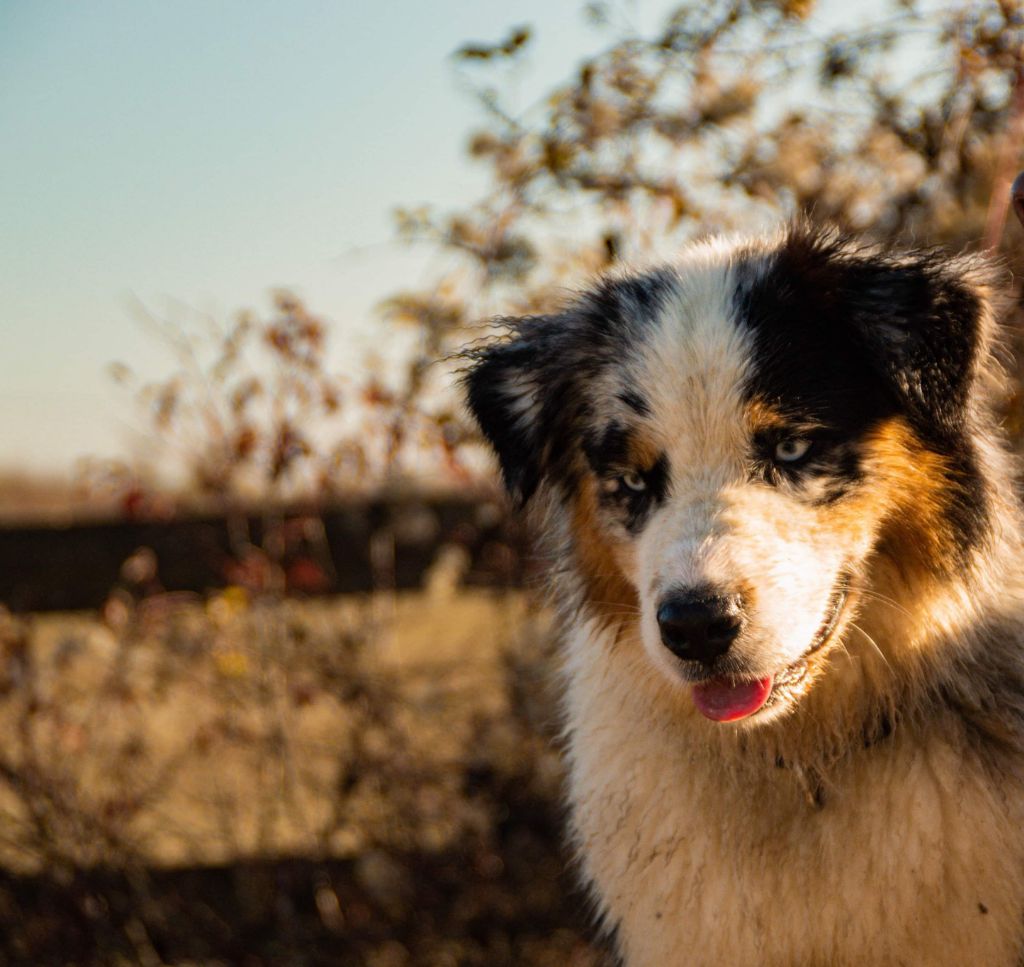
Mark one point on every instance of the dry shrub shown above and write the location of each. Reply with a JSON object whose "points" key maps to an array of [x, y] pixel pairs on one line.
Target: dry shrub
{"points": [[356, 781]]}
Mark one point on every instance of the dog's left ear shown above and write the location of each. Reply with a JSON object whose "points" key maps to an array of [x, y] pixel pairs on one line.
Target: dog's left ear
{"points": [[927, 319], [507, 389]]}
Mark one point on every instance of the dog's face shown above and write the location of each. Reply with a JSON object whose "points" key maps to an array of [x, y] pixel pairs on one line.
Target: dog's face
{"points": [[728, 442]]}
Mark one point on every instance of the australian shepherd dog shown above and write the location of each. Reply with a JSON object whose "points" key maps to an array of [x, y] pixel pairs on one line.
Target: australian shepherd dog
{"points": [[788, 554]]}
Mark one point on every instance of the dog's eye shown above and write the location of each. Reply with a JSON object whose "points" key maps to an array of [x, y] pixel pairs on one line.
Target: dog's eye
{"points": [[634, 481], [792, 449]]}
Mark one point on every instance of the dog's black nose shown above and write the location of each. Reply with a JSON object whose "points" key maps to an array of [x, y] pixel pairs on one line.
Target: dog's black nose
{"points": [[699, 627]]}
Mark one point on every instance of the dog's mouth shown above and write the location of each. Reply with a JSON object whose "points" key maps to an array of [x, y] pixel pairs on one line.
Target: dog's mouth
{"points": [[728, 699]]}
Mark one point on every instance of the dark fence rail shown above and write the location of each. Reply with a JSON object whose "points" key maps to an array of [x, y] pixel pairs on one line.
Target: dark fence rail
{"points": [[358, 547]]}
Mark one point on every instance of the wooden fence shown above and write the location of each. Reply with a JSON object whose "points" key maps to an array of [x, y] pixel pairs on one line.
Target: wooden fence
{"points": [[358, 547]]}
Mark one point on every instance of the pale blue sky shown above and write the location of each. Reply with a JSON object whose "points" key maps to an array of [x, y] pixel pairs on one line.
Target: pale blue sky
{"points": [[206, 152]]}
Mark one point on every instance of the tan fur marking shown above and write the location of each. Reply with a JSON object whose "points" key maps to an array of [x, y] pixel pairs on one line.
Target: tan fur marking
{"points": [[643, 454], [608, 592], [761, 415], [912, 496]]}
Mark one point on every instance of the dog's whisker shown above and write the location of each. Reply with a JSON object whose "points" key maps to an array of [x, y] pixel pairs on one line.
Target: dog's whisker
{"points": [[871, 641], [623, 608], [877, 596]]}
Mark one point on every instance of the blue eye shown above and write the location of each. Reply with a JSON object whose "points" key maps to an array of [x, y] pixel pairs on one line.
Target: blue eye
{"points": [[634, 481], [792, 450]]}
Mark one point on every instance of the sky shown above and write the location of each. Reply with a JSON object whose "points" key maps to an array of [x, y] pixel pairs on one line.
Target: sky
{"points": [[196, 154]]}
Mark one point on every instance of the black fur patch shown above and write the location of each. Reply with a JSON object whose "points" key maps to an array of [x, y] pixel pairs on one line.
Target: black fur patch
{"points": [[843, 339], [833, 456], [608, 454], [635, 402], [607, 449], [846, 339], [656, 478], [500, 372], [533, 395]]}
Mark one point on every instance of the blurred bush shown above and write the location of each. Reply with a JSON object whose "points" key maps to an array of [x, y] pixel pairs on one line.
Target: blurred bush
{"points": [[251, 413], [247, 781], [905, 124]]}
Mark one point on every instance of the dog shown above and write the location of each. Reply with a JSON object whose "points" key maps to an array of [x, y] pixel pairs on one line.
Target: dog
{"points": [[788, 559]]}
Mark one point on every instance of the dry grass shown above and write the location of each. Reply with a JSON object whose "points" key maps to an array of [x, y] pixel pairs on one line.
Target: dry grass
{"points": [[29, 497], [342, 781]]}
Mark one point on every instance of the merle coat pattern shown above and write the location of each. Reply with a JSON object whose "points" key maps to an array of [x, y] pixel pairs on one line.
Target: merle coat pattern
{"points": [[787, 552]]}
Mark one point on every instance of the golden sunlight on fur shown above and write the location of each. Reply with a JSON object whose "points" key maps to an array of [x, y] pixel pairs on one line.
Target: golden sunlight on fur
{"points": [[788, 549]]}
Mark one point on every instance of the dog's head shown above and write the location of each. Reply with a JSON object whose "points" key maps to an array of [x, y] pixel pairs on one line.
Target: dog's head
{"points": [[728, 442]]}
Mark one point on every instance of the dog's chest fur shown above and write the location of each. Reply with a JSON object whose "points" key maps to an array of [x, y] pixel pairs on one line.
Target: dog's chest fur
{"points": [[912, 856]]}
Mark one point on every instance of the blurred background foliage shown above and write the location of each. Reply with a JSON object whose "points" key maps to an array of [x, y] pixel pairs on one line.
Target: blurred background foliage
{"points": [[735, 115], [239, 775]]}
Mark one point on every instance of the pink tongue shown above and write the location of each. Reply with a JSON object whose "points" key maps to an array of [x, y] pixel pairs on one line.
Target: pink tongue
{"points": [[725, 701]]}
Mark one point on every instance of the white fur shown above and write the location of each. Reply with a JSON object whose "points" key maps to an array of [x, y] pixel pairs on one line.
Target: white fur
{"points": [[718, 525], [703, 858]]}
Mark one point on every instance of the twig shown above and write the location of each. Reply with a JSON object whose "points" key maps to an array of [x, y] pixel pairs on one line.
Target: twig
{"points": [[1006, 167]]}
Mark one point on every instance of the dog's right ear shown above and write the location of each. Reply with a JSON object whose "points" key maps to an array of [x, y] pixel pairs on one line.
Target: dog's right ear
{"points": [[506, 388]]}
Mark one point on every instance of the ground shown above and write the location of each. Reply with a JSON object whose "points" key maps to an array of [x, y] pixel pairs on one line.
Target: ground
{"points": [[344, 781]]}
